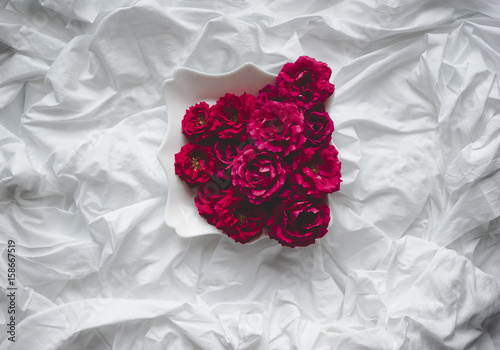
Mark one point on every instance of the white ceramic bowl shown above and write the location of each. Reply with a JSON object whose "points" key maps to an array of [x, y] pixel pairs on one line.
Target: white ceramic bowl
{"points": [[186, 88]]}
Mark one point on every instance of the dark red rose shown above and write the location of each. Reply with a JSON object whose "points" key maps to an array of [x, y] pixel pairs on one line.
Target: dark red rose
{"points": [[318, 126], [194, 164], [238, 218], [257, 174], [297, 221], [225, 151], [198, 123], [269, 92], [277, 127], [305, 82], [316, 171], [232, 113], [206, 201]]}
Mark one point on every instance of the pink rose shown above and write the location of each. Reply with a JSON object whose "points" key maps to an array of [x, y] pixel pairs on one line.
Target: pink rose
{"points": [[316, 171], [198, 123], [318, 126], [232, 113], [238, 218], [297, 221], [257, 174], [305, 82], [194, 164], [277, 127]]}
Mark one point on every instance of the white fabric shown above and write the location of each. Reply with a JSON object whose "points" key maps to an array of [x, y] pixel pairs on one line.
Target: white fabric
{"points": [[412, 261]]}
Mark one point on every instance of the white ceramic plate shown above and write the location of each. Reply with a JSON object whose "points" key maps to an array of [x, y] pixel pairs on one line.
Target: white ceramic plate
{"points": [[186, 88]]}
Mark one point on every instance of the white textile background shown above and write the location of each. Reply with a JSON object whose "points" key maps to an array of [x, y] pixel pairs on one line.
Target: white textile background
{"points": [[413, 258]]}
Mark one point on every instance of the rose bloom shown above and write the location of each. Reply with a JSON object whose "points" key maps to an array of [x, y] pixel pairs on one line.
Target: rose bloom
{"points": [[194, 164], [269, 92], [258, 174], [277, 127], [232, 113], [297, 221], [206, 201], [198, 123], [238, 218], [318, 126], [225, 150], [306, 82], [316, 171]]}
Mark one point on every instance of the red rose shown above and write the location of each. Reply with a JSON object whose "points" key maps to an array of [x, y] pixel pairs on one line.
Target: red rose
{"points": [[198, 123], [194, 164], [232, 113], [277, 127], [316, 171], [257, 174], [305, 82], [225, 151], [297, 221], [318, 126], [238, 218], [206, 201], [269, 92]]}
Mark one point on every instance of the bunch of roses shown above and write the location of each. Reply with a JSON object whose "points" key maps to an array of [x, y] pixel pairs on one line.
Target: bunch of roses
{"points": [[265, 160]]}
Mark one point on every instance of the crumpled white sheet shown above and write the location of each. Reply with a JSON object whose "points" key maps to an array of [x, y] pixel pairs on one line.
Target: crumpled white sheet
{"points": [[412, 261]]}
